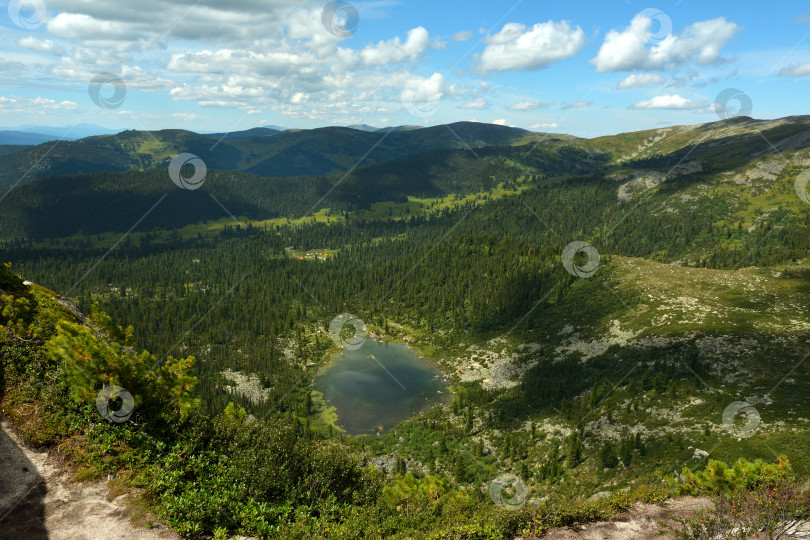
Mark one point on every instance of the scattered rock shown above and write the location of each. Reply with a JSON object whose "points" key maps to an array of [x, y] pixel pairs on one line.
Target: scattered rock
{"points": [[700, 454]]}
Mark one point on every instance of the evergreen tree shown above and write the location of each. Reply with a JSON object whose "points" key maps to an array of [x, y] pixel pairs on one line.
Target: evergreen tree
{"points": [[607, 456], [574, 449]]}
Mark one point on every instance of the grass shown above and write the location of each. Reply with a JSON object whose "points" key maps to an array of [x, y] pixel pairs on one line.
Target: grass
{"points": [[325, 414]]}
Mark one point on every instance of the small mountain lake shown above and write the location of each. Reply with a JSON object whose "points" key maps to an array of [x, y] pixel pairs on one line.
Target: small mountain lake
{"points": [[379, 385]]}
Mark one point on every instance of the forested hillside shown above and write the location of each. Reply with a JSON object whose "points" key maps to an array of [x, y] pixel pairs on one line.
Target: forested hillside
{"points": [[608, 370], [288, 153]]}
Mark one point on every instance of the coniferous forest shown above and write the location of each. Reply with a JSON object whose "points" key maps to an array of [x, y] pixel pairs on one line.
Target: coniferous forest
{"points": [[574, 384]]}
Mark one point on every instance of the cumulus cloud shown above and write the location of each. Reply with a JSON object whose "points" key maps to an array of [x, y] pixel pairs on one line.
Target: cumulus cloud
{"points": [[638, 80], [290, 76], [88, 30], [802, 70], [476, 105], [517, 48], [41, 45], [529, 105], [134, 25], [395, 50], [551, 125], [424, 93], [499, 122], [262, 55], [462, 36], [628, 49], [667, 101], [276, 62], [84, 64], [14, 104]]}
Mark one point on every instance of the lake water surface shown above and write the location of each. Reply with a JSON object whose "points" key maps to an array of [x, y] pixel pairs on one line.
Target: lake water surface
{"points": [[379, 385]]}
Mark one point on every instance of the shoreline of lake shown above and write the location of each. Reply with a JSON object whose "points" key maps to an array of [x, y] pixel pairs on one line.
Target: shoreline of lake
{"points": [[361, 399]]}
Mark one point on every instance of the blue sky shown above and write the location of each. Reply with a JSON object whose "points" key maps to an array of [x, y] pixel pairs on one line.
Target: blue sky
{"points": [[585, 68]]}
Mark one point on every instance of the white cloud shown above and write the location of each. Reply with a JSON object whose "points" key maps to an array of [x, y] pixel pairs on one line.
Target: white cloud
{"points": [[499, 122], [515, 48], [272, 56], [628, 50], [102, 33], [667, 101], [638, 80], [299, 97], [84, 64], [476, 105], [394, 50], [577, 105], [131, 25], [275, 62], [36, 105], [462, 36], [41, 45], [529, 105], [802, 70], [424, 94], [551, 125]]}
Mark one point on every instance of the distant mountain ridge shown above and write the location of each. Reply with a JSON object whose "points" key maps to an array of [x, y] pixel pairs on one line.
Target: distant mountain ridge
{"points": [[265, 151], [24, 138], [245, 134], [262, 151], [37, 134]]}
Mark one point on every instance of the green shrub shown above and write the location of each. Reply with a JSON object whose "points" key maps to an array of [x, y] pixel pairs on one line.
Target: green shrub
{"points": [[719, 478], [93, 359], [765, 512]]}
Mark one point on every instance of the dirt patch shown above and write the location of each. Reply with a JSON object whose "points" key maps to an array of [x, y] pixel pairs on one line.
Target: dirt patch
{"points": [[38, 500], [650, 521], [642, 522]]}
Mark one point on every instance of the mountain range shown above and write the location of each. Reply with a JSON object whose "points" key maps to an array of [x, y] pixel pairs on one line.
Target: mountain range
{"points": [[260, 151], [613, 313]]}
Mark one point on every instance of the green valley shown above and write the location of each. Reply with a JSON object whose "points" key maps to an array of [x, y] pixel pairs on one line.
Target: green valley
{"points": [[596, 380]]}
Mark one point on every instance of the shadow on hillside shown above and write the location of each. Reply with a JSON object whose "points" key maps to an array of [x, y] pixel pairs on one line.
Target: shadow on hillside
{"points": [[22, 494]]}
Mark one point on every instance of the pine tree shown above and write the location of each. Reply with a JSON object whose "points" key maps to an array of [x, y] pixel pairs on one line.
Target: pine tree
{"points": [[460, 470], [626, 451], [607, 457], [524, 471], [574, 449]]}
